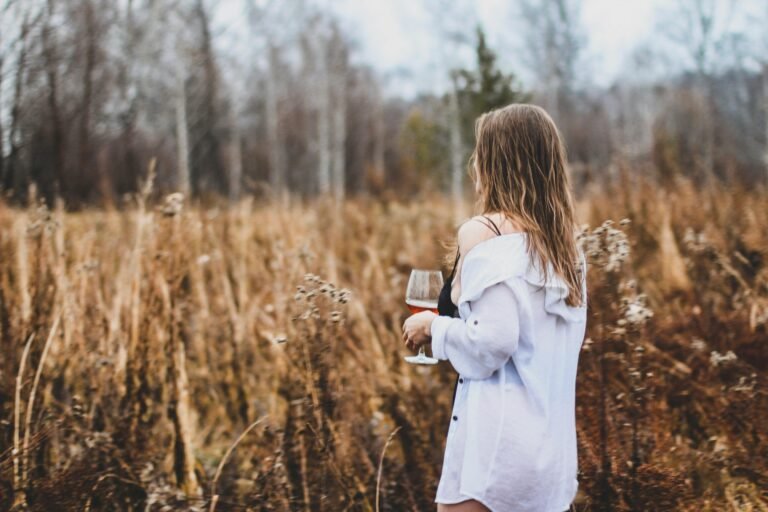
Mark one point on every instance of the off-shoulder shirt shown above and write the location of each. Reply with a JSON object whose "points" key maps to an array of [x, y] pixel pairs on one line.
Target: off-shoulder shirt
{"points": [[511, 441]]}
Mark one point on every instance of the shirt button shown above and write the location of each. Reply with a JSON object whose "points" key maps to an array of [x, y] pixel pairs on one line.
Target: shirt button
{"points": [[455, 418], [461, 381], [475, 322]]}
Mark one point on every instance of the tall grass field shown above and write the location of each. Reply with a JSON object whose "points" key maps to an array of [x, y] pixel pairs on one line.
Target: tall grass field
{"points": [[171, 356]]}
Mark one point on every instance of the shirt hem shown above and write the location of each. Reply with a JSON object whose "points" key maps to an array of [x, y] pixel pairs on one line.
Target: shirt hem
{"points": [[466, 497]]}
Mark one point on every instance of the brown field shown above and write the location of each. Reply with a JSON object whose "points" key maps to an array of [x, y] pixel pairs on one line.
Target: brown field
{"points": [[250, 358]]}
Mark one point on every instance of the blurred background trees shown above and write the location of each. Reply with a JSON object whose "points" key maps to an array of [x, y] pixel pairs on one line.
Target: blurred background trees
{"points": [[282, 105]]}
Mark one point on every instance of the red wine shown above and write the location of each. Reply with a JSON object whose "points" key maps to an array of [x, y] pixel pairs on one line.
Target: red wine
{"points": [[417, 306]]}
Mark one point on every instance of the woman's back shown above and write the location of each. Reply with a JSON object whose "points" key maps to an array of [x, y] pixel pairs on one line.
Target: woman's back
{"points": [[516, 399], [521, 319]]}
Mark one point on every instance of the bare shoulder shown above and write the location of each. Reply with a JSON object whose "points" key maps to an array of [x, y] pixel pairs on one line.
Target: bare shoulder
{"points": [[472, 232]]}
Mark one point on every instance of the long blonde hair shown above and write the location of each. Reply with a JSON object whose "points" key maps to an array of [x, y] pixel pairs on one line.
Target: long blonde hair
{"points": [[520, 160]]}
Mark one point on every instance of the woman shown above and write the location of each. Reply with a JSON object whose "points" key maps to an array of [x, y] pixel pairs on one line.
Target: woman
{"points": [[520, 294]]}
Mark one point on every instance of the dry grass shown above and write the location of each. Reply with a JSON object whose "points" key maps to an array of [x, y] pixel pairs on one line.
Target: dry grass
{"points": [[159, 335]]}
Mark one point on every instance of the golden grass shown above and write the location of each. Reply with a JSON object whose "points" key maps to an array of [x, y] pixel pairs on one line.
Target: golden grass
{"points": [[160, 335]]}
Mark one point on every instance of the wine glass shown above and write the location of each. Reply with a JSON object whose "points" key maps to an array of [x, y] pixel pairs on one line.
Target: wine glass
{"points": [[421, 295]]}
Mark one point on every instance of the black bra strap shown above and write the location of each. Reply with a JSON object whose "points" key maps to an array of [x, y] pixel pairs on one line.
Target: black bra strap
{"points": [[455, 262], [494, 228]]}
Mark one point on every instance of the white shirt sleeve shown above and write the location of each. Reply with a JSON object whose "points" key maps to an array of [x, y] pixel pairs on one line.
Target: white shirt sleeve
{"points": [[484, 342]]}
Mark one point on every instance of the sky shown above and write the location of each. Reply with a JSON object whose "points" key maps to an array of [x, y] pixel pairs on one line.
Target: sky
{"points": [[394, 35], [399, 37]]}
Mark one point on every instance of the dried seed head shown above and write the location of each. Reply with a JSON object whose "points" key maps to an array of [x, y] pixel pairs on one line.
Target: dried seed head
{"points": [[343, 295], [699, 344], [173, 204], [636, 312], [716, 358]]}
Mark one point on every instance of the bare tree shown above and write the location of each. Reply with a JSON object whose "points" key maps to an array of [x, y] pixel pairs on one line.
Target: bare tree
{"points": [[164, 44], [325, 59], [698, 27], [457, 146], [454, 27], [182, 137], [322, 94], [277, 171], [86, 104], [378, 139], [235, 156], [50, 63], [338, 54], [206, 163], [4, 8], [763, 59], [554, 40], [765, 114], [270, 42], [14, 51]]}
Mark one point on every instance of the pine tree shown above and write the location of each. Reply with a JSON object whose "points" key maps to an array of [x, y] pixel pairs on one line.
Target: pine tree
{"points": [[485, 88]]}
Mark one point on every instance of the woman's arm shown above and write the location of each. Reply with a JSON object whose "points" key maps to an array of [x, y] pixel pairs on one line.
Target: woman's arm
{"points": [[482, 344]]}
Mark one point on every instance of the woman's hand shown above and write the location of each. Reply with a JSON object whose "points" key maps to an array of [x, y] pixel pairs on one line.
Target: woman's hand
{"points": [[417, 329]]}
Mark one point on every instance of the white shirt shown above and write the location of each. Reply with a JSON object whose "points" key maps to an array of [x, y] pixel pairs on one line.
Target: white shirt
{"points": [[511, 441]]}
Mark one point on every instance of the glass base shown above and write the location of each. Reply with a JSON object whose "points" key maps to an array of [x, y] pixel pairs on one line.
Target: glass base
{"points": [[421, 359]]}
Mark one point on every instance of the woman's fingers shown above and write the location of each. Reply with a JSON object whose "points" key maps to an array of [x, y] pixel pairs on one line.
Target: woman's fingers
{"points": [[408, 343], [406, 340]]}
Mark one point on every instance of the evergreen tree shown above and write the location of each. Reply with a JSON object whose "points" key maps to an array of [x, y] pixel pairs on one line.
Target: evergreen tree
{"points": [[485, 88]]}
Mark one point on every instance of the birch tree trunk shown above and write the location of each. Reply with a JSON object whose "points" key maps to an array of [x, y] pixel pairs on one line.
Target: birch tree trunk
{"points": [[322, 97], [339, 147], [457, 151], [708, 159], [308, 182], [552, 54], [182, 137], [361, 147], [84, 162], [52, 77], [235, 158], [339, 122], [274, 140], [765, 113], [2, 130], [378, 143], [13, 172]]}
